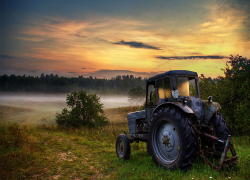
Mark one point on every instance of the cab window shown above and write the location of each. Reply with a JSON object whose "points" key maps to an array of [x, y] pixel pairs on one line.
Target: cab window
{"points": [[186, 86], [164, 88]]}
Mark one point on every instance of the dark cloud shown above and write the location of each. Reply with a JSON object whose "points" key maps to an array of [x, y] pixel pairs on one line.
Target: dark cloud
{"points": [[54, 22], [71, 72], [83, 68], [135, 44], [78, 35], [5, 56], [190, 57]]}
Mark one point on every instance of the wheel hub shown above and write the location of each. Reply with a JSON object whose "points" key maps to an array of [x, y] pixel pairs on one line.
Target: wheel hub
{"points": [[167, 140]]}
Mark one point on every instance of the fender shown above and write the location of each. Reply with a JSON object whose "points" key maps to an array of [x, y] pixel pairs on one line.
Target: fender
{"points": [[209, 109], [184, 108]]}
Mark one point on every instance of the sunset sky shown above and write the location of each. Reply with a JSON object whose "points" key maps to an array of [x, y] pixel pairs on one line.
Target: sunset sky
{"points": [[104, 38]]}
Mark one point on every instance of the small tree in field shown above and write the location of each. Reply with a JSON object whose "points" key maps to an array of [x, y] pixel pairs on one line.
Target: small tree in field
{"points": [[136, 94], [85, 110]]}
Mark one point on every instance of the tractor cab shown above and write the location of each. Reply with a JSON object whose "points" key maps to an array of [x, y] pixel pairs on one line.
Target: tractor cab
{"points": [[172, 86], [177, 87]]}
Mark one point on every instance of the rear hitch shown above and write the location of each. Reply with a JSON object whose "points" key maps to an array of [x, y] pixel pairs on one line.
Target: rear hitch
{"points": [[224, 160]]}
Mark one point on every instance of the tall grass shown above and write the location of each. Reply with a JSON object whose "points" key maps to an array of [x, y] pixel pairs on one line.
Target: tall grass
{"points": [[17, 149], [48, 152]]}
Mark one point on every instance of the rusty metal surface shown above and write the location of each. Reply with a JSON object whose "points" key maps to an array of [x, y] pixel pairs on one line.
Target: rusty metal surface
{"points": [[209, 109], [224, 160], [196, 105]]}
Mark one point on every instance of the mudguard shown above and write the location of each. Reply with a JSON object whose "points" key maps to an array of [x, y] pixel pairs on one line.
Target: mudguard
{"points": [[209, 109], [184, 108]]}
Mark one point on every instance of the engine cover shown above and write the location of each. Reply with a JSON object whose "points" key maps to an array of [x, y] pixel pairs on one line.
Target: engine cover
{"points": [[196, 105]]}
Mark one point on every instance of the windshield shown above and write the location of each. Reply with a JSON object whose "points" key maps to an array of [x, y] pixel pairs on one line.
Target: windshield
{"points": [[186, 86]]}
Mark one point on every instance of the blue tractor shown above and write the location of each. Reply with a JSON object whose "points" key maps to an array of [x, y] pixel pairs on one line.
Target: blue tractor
{"points": [[177, 125]]}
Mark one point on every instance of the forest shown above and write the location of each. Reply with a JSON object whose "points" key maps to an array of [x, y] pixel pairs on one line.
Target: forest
{"points": [[119, 85]]}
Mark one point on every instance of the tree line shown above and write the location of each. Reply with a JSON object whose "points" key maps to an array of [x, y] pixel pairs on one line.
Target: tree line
{"points": [[53, 83]]}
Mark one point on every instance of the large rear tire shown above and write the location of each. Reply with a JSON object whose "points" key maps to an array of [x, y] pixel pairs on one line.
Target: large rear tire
{"points": [[122, 147], [220, 129], [172, 140]]}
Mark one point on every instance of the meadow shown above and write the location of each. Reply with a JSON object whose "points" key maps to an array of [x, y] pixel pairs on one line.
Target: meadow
{"points": [[33, 147]]}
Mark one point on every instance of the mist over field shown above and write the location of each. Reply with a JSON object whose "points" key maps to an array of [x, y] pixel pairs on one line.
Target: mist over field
{"points": [[28, 99], [39, 108]]}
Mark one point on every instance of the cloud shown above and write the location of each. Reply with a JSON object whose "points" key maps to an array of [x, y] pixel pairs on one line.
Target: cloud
{"points": [[190, 57], [5, 56], [137, 45], [83, 68], [78, 35]]}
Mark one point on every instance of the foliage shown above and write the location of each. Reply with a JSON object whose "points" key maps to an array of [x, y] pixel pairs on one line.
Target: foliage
{"points": [[137, 94], [232, 92], [86, 110]]}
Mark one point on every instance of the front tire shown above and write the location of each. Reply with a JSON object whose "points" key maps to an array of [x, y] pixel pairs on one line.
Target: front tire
{"points": [[122, 147], [172, 140]]}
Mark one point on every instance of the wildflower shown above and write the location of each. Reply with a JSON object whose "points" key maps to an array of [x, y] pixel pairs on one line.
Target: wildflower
{"points": [[210, 177]]}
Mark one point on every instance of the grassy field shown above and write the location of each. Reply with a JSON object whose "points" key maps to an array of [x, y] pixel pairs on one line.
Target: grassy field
{"points": [[30, 150]]}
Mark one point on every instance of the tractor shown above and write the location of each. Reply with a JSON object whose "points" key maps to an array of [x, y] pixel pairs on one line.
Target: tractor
{"points": [[178, 126]]}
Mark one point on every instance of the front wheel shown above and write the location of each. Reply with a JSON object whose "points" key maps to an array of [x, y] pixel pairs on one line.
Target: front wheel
{"points": [[172, 140], [122, 147]]}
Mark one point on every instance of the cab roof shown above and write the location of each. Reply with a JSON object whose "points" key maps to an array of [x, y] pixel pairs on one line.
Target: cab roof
{"points": [[174, 72]]}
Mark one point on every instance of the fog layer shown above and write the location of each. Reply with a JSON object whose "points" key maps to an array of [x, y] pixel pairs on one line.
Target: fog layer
{"points": [[57, 101]]}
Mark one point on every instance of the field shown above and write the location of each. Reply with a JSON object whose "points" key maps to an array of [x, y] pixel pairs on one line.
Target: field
{"points": [[32, 147]]}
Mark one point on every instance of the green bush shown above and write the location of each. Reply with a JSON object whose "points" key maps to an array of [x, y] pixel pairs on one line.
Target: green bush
{"points": [[232, 92], [85, 110]]}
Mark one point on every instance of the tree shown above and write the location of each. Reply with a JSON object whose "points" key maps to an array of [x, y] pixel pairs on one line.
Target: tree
{"points": [[85, 110], [136, 94], [237, 98], [125, 85]]}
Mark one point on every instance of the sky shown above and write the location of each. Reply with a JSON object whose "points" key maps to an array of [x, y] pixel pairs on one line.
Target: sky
{"points": [[106, 38]]}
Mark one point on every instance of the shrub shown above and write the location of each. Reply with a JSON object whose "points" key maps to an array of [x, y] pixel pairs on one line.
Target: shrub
{"points": [[85, 110]]}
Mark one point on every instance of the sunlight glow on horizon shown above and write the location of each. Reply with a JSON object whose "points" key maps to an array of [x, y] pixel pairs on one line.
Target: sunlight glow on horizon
{"points": [[94, 41]]}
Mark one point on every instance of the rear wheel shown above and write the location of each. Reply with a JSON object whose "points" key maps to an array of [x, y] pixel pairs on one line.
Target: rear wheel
{"points": [[172, 140], [220, 129], [122, 147], [217, 127]]}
